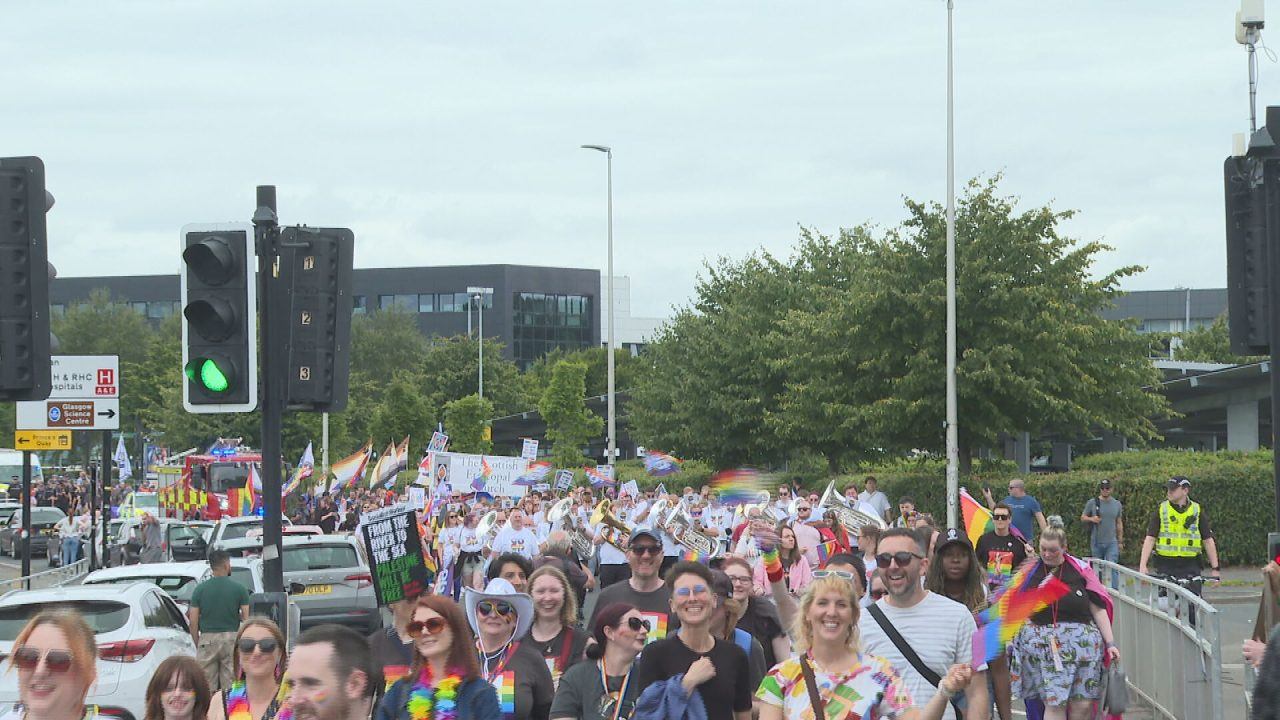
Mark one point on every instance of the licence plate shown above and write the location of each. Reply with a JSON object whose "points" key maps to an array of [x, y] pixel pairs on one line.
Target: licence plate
{"points": [[318, 590]]}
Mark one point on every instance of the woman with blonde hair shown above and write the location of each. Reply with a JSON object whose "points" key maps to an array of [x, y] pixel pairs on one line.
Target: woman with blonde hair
{"points": [[56, 658], [259, 658], [178, 690], [830, 669], [554, 633]]}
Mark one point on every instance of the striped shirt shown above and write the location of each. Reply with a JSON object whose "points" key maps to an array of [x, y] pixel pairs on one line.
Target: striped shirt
{"points": [[940, 630]]}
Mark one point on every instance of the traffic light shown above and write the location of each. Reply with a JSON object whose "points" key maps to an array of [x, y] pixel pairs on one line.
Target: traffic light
{"points": [[1248, 289], [316, 266], [24, 280], [219, 318]]}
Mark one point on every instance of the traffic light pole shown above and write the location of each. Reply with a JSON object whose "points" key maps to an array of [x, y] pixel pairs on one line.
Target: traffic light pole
{"points": [[272, 381], [26, 519], [93, 516], [106, 503]]}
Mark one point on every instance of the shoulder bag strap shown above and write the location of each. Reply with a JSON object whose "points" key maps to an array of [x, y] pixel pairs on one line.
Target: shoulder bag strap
{"points": [[908, 652], [819, 707]]}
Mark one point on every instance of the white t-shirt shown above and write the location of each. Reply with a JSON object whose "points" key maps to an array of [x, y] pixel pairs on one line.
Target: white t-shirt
{"points": [[469, 540], [522, 542], [606, 553], [876, 500], [449, 542], [940, 630]]}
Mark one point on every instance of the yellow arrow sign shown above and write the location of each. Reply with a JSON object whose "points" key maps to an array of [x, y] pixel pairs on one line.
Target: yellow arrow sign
{"points": [[42, 440]]}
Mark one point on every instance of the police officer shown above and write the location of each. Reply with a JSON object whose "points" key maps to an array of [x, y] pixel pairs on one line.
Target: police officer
{"points": [[1177, 531]]}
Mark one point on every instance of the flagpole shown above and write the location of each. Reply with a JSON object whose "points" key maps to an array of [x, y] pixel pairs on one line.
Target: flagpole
{"points": [[324, 445]]}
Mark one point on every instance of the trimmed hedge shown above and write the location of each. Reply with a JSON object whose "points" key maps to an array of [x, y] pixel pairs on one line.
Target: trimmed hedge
{"points": [[1234, 488]]}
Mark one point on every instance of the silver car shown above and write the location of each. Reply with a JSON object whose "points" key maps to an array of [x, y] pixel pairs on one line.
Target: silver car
{"points": [[337, 583]]}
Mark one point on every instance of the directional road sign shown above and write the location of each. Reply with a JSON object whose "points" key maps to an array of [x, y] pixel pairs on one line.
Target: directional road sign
{"points": [[42, 440], [84, 396], [69, 415]]}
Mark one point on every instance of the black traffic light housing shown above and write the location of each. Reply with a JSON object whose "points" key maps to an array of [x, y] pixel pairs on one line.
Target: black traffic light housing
{"points": [[24, 280], [316, 269], [219, 318], [1248, 289]]}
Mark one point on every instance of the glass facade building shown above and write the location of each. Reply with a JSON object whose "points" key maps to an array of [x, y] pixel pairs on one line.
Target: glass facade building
{"points": [[542, 322]]}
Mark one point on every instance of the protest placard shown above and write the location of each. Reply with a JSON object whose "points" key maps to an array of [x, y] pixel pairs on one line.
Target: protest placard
{"points": [[395, 553]]}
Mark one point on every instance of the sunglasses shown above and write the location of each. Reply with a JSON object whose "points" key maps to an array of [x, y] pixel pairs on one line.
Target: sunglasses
{"points": [[266, 645], [685, 592], [842, 574], [877, 594], [1001, 516], [430, 626], [638, 624], [646, 549], [57, 661], [903, 558], [802, 508], [495, 607]]}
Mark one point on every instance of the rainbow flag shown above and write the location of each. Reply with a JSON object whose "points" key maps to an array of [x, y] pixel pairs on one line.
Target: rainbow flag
{"points": [[1010, 608], [486, 472], [600, 475], [505, 685], [248, 498], [306, 466], [660, 464], [977, 518], [534, 474], [738, 487], [826, 550], [350, 470], [690, 555]]}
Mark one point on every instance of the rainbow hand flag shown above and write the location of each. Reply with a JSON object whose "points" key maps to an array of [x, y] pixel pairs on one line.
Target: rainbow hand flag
{"points": [[738, 487], [1010, 608], [660, 464], [248, 498], [486, 472], [694, 556], [534, 474], [826, 550], [306, 466], [600, 475], [977, 519]]}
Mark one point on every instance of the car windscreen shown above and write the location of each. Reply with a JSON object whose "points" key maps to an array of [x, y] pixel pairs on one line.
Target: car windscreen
{"points": [[179, 587], [244, 576], [222, 476], [101, 615], [319, 557], [145, 501], [235, 531], [46, 515]]}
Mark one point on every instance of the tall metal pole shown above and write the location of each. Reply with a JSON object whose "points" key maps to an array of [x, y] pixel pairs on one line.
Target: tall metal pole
{"points": [[106, 504], [26, 520], [953, 434], [267, 236], [93, 516], [324, 445], [480, 344], [613, 419]]}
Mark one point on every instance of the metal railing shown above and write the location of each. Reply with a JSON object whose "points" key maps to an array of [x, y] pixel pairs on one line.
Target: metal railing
{"points": [[1170, 643], [48, 578]]}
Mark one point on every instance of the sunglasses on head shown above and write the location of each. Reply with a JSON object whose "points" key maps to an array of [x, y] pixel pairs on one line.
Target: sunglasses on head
{"points": [[638, 624], [266, 645], [430, 626], [646, 549], [903, 558], [492, 607], [842, 574], [27, 658], [1001, 516]]}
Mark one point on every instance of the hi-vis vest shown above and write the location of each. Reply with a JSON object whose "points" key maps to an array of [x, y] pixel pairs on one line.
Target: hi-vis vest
{"points": [[1179, 531]]}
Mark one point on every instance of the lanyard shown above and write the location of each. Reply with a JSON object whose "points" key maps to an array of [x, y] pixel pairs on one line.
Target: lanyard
{"points": [[622, 692], [506, 656]]}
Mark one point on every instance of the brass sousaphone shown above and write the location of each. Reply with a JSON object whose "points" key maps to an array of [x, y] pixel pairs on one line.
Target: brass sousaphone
{"points": [[563, 511], [851, 518]]}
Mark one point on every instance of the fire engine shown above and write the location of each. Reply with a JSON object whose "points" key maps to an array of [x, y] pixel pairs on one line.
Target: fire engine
{"points": [[212, 482]]}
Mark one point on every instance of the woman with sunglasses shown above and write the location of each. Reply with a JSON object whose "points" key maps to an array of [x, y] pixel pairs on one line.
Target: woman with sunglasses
{"points": [[797, 573], [603, 687], [444, 681], [499, 616], [554, 633], [831, 664], [55, 655], [178, 690], [259, 660]]}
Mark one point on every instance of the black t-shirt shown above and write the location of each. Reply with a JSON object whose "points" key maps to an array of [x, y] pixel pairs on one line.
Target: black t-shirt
{"points": [[761, 622], [1075, 606], [1000, 556], [525, 679], [560, 652], [728, 692], [392, 654]]}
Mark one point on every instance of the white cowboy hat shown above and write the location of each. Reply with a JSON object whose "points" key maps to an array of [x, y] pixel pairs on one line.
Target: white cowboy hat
{"points": [[500, 589]]}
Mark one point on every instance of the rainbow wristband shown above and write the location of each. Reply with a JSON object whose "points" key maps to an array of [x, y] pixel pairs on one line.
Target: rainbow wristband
{"points": [[772, 565]]}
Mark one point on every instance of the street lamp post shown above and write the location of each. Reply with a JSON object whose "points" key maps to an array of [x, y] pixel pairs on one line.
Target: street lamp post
{"points": [[613, 427], [953, 430], [478, 294]]}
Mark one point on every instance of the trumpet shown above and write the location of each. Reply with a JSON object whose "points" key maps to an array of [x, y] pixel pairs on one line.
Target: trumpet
{"points": [[610, 525], [851, 518], [563, 510], [680, 527]]}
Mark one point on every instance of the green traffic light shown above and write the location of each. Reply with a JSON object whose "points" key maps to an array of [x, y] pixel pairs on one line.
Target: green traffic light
{"points": [[211, 377]]}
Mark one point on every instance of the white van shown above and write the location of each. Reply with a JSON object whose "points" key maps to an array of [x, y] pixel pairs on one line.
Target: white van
{"points": [[11, 468]]}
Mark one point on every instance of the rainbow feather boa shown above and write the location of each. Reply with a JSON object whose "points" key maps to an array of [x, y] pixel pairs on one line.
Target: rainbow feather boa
{"points": [[434, 700], [238, 702]]}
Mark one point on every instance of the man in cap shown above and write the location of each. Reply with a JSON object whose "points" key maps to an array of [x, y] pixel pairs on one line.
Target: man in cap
{"points": [[1177, 533], [644, 589], [1106, 526]]}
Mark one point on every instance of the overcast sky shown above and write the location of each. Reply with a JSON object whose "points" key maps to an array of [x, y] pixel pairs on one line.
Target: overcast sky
{"points": [[449, 133]]}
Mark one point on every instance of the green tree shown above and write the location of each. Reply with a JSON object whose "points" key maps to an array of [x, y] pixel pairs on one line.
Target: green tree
{"points": [[1211, 343], [625, 370], [403, 410], [384, 343], [570, 425], [450, 372], [466, 421]]}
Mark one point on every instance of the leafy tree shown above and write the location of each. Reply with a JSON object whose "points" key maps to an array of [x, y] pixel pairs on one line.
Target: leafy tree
{"points": [[384, 343], [625, 369], [570, 425], [1211, 343], [450, 372], [465, 421], [403, 410]]}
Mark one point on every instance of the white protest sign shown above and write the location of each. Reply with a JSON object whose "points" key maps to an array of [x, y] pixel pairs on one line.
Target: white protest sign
{"points": [[439, 441], [530, 450], [564, 478], [461, 472], [417, 497], [631, 488]]}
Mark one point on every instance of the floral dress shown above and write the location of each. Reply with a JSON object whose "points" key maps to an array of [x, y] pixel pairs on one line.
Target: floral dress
{"points": [[870, 689]]}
